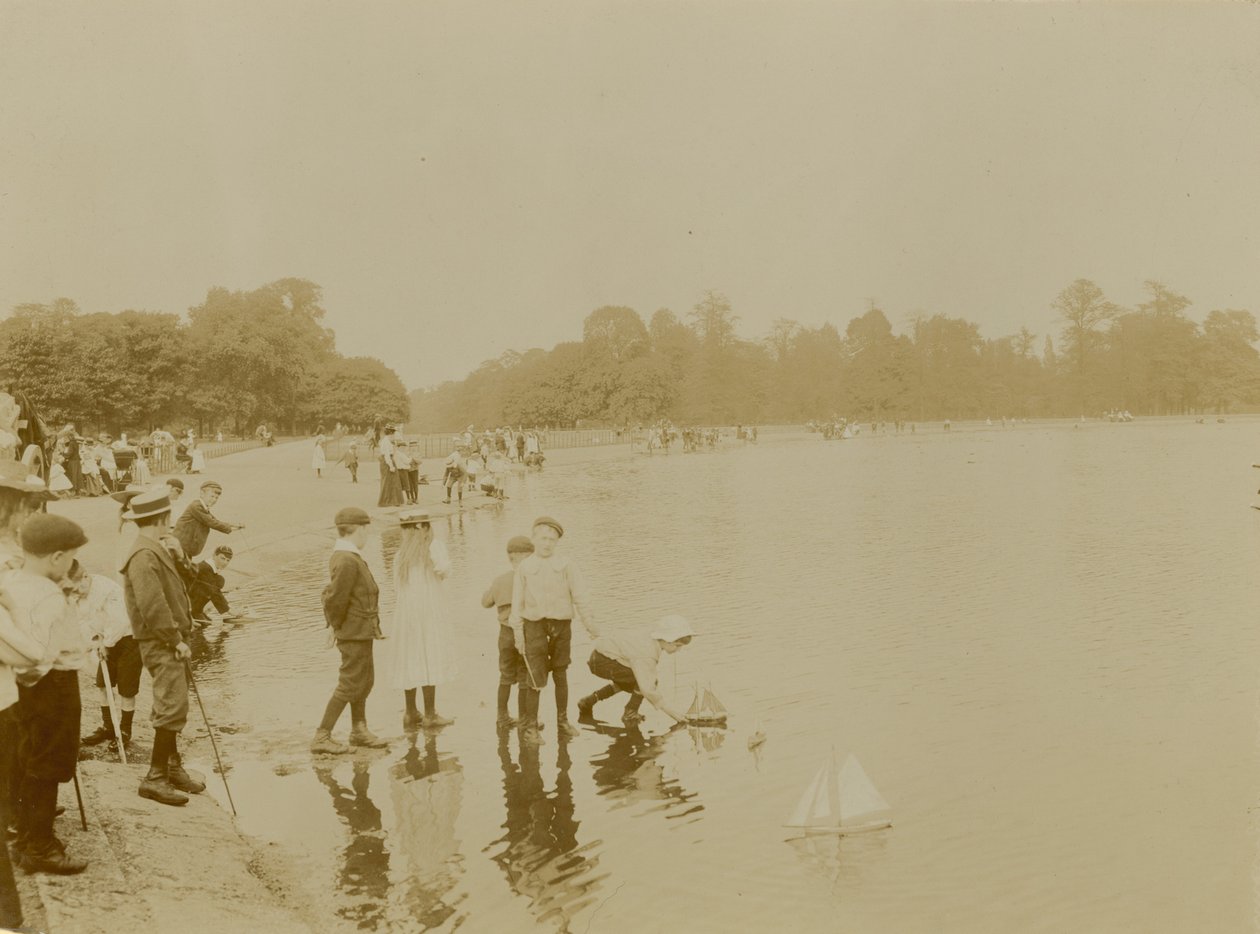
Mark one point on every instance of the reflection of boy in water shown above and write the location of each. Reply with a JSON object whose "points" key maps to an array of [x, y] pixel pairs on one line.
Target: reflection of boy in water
{"points": [[629, 768], [539, 859], [365, 860]]}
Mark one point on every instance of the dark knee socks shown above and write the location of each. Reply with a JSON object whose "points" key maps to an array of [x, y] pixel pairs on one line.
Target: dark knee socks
{"points": [[430, 699], [529, 707], [163, 749], [505, 694], [358, 711], [561, 677], [410, 696]]}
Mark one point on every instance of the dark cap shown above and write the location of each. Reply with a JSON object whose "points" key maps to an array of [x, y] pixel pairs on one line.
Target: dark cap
{"points": [[547, 520], [520, 545], [352, 515], [212, 485], [176, 483], [225, 550], [45, 534]]}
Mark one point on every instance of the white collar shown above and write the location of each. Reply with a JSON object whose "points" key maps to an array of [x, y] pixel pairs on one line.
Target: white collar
{"points": [[344, 544]]}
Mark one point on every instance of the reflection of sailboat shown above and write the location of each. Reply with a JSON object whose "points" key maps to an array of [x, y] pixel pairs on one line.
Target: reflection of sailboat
{"points": [[707, 739], [706, 708], [840, 800]]}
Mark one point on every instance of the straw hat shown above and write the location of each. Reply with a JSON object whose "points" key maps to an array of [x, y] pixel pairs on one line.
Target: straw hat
{"points": [[125, 495], [148, 504], [15, 475], [413, 518]]}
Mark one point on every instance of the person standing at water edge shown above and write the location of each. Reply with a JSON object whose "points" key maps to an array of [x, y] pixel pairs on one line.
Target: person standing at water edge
{"points": [[545, 592], [103, 617], [420, 646], [352, 612], [628, 660], [498, 596], [193, 527], [391, 485], [161, 622], [48, 691]]}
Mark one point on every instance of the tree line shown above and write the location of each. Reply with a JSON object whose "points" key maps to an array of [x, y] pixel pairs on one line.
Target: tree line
{"points": [[240, 359], [1152, 359]]}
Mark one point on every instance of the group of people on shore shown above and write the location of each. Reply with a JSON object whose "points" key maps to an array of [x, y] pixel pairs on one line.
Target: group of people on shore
{"points": [[535, 603], [57, 618], [81, 466]]}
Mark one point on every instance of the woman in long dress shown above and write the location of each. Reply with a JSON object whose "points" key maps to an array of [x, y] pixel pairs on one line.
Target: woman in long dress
{"points": [[318, 459], [420, 642], [391, 486]]}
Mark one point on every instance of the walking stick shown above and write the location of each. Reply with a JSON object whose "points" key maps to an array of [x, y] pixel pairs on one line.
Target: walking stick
{"points": [[113, 707], [78, 793], [209, 729]]}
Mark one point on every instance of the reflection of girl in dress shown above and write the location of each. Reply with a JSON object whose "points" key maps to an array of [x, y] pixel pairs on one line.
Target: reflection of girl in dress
{"points": [[420, 643]]}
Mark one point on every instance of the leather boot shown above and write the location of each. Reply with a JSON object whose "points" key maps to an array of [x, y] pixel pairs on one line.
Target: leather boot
{"points": [[102, 734], [324, 743], [125, 727], [51, 859], [360, 735], [157, 787], [180, 779]]}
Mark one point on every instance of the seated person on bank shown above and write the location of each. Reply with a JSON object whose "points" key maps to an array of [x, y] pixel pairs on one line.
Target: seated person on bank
{"points": [[628, 659], [210, 587]]}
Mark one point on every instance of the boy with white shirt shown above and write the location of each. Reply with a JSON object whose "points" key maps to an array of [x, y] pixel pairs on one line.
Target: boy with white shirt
{"points": [[103, 618], [546, 590]]}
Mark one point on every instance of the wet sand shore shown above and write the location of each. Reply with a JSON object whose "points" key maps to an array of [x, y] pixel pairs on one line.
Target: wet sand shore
{"points": [[190, 869]]}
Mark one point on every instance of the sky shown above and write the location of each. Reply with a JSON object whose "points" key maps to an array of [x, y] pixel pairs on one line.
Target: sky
{"points": [[467, 178]]}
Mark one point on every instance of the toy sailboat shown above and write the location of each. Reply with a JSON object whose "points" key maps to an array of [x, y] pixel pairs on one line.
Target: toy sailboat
{"points": [[840, 800], [706, 709]]}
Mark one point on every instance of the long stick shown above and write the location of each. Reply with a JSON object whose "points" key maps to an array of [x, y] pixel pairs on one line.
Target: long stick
{"points": [[113, 708], [209, 729], [78, 793]]}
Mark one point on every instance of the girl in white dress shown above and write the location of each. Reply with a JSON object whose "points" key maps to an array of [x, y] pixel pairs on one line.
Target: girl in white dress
{"points": [[318, 460], [420, 642]]}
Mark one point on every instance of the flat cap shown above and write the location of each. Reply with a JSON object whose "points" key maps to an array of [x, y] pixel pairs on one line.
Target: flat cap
{"points": [[352, 515], [547, 520], [46, 534], [520, 545], [212, 485]]}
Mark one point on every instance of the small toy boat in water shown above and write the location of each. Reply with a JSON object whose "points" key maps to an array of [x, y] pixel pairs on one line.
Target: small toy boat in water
{"points": [[706, 709], [840, 801]]}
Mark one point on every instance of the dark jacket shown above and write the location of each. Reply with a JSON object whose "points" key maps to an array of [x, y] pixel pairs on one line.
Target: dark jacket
{"points": [[351, 599], [193, 528], [153, 591]]}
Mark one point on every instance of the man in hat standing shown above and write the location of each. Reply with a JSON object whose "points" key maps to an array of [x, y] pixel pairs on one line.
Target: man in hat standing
{"points": [[193, 527], [352, 611], [161, 621]]}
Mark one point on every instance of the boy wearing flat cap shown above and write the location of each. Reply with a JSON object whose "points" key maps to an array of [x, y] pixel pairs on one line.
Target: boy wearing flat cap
{"points": [[161, 623], [546, 590], [498, 596], [193, 527], [352, 612], [48, 690]]}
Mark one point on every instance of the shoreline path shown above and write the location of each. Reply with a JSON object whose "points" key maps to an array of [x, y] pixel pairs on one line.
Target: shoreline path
{"points": [[189, 869]]}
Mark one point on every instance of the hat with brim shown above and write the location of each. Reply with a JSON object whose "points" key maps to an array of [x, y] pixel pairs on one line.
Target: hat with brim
{"points": [[125, 495], [672, 628], [147, 505], [15, 475], [409, 520], [352, 515]]}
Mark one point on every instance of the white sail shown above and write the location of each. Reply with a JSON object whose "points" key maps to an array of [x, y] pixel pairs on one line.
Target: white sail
{"points": [[840, 800], [860, 803], [696, 710]]}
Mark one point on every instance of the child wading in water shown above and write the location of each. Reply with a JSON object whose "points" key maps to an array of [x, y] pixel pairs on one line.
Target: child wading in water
{"points": [[547, 589], [420, 644], [511, 666]]}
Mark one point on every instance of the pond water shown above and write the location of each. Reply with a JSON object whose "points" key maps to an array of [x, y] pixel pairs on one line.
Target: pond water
{"points": [[1039, 641]]}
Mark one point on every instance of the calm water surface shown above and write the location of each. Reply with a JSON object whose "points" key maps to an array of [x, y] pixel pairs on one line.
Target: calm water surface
{"points": [[1040, 642]]}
